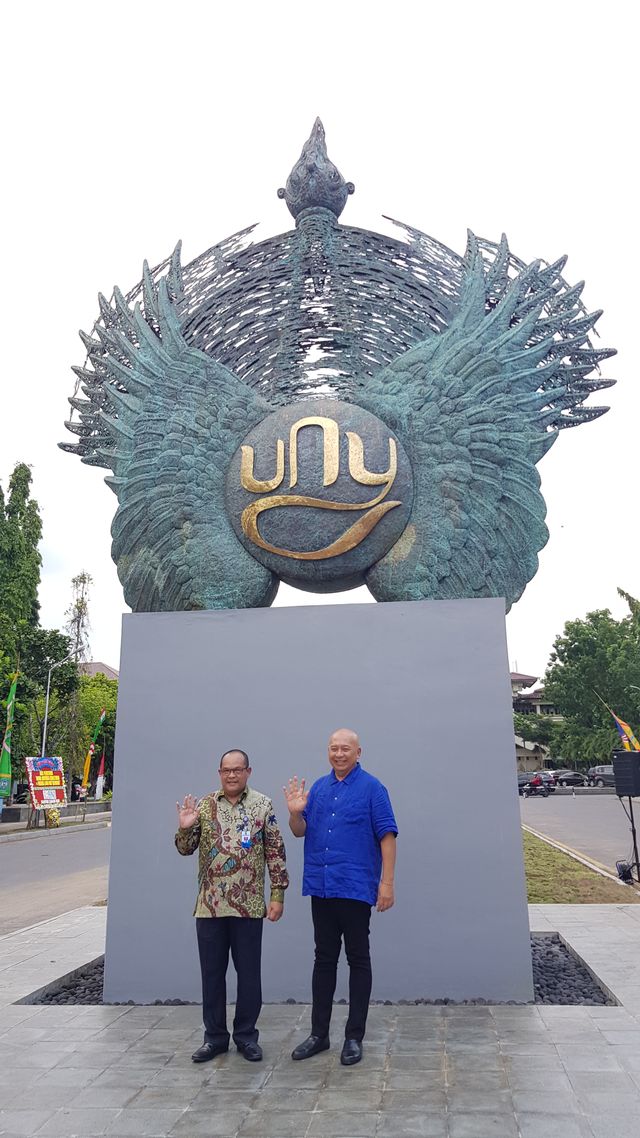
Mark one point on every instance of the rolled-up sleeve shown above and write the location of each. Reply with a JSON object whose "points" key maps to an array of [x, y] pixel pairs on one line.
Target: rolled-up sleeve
{"points": [[383, 818]]}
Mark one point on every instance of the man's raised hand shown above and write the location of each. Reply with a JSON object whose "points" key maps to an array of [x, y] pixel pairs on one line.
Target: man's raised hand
{"points": [[296, 796], [188, 812]]}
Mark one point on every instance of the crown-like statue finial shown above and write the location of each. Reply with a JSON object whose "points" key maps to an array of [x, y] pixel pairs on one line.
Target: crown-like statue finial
{"points": [[314, 181]]}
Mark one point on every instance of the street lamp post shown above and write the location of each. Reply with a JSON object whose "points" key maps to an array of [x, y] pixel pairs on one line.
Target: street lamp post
{"points": [[46, 705]]}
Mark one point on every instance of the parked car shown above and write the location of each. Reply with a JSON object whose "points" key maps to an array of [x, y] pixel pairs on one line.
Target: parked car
{"points": [[601, 776], [571, 778]]}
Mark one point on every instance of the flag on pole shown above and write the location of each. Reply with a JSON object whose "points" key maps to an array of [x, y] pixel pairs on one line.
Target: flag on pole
{"points": [[100, 778], [5, 753], [92, 747], [629, 741]]}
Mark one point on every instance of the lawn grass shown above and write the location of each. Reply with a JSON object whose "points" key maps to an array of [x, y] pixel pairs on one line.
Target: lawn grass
{"points": [[554, 878]]}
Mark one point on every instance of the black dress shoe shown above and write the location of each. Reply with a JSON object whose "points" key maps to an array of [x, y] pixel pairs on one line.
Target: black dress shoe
{"points": [[351, 1052], [209, 1051], [310, 1046], [250, 1051]]}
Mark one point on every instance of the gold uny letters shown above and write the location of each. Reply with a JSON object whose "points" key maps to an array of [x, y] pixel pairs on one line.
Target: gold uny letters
{"points": [[376, 508]]}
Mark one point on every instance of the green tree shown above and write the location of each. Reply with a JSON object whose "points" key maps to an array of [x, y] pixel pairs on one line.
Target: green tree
{"points": [[595, 657], [37, 649], [20, 560]]}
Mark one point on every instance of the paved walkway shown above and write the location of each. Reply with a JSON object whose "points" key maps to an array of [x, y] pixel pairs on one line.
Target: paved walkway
{"points": [[445, 1072]]}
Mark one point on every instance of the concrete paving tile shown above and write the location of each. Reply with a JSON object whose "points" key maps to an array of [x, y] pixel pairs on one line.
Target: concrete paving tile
{"points": [[482, 1126], [42, 1097], [532, 1046], [410, 1080], [465, 1080], [416, 1061], [15, 1121], [37, 1058], [297, 1099], [350, 1098], [70, 1123], [245, 1078], [419, 1081], [72, 1077], [427, 1101], [609, 1125], [412, 1124], [301, 1075], [134, 1077], [22, 1033], [601, 1101], [138, 1057], [340, 1124], [629, 1039], [98, 1060], [542, 1102], [157, 1096], [94, 1097], [197, 1075], [16, 1078], [482, 1061], [193, 1123], [146, 1121], [542, 1081], [615, 1082], [556, 1126], [274, 1124], [588, 1058], [541, 1061], [480, 1102]]}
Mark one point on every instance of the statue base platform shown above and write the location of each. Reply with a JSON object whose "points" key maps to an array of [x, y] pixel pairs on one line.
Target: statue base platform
{"points": [[426, 686]]}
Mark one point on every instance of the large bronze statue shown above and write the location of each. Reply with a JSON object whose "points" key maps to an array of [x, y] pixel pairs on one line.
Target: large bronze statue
{"points": [[331, 407]]}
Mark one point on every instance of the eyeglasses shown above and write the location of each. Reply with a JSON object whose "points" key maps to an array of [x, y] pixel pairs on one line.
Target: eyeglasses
{"points": [[233, 770]]}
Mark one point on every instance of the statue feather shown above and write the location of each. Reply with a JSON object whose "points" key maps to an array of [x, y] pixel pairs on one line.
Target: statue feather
{"points": [[172, 418], [477, 405]]}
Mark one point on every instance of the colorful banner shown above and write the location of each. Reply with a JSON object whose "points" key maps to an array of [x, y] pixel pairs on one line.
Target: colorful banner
{"points": [[92, 747], [5, 753], [46, 783], [100, 779]]}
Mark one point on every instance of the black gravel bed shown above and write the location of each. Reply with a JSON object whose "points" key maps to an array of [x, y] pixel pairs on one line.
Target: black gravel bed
{"points": [[558, 978]]}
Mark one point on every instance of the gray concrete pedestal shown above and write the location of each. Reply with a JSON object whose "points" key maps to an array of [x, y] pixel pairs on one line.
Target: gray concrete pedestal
{"points": [[426, 685]]}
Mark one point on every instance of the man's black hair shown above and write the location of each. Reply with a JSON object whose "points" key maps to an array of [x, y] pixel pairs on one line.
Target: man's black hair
{"points": [[235, 751]]}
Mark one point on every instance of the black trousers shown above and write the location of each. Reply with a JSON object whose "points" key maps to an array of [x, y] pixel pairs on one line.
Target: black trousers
{"points": [[243, 936], [335, 918]]}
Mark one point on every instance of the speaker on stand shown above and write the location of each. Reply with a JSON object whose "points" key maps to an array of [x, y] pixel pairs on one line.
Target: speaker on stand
{"points": [[626, 776]]}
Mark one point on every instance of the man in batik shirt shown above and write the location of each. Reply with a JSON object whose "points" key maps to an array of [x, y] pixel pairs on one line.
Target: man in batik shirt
{"points": [[237, 835]]}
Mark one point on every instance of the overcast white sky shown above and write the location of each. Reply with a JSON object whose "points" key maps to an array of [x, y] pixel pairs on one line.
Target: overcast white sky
{"points": [[130, 125]]}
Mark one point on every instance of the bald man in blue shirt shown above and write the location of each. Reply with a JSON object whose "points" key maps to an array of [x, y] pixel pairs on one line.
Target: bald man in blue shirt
{"points": [[350, 835]]}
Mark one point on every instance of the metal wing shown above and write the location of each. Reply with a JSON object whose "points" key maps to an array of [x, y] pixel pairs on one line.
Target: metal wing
{"points": [[476, 407], [167, 419]]}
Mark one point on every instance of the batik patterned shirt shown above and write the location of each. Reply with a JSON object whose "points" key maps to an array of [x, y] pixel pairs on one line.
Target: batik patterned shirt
{"points": [[235, 844]]}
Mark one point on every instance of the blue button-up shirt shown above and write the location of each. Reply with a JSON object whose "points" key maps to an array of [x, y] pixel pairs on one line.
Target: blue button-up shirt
{"points": [[346, 820]]}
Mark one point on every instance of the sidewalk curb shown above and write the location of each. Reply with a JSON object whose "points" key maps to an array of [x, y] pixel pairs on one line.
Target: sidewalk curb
{"points": [[70, 827]]}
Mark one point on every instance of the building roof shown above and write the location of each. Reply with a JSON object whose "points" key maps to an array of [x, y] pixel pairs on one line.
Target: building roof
{"points": [[93, 667], [522, 679]]}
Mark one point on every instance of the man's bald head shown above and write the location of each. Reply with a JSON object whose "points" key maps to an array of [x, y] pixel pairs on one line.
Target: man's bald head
{"points": [[344, 751]]}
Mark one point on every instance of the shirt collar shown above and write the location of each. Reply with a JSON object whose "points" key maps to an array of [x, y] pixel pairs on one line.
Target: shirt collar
{"points": [[219, 795], [353, 774]]}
